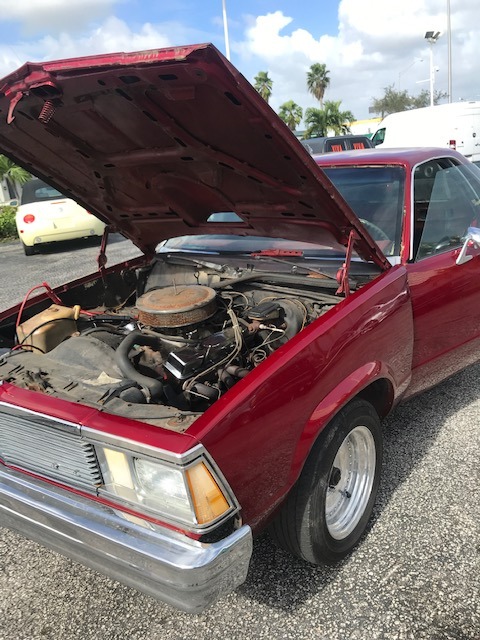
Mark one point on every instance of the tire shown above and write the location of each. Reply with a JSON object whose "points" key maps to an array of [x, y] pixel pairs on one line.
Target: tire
{"points": [[28, 251], [328, 508]]}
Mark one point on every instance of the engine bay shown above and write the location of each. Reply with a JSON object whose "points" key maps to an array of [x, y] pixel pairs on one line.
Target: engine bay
{"points": [[168, 349]]}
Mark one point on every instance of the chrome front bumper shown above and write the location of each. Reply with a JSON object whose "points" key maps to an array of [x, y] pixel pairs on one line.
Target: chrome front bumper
{"points": [[184, 573]]}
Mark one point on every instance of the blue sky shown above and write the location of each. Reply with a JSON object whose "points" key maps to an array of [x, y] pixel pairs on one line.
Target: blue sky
{"points": [[366, 44]]}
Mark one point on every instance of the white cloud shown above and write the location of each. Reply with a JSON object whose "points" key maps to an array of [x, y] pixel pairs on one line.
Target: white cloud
{"points": [[36, 15], [111, 36], [379, 22], [377, 43]]}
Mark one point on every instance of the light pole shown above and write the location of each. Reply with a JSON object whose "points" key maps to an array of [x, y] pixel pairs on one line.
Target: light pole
{"points": [[225, 30], [449, 29], [432, 37]]}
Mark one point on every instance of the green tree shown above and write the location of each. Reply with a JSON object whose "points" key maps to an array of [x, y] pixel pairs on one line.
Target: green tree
{"points": [[318, 80], [13, 174], [336, 120], [291, 113], [263, 84], [322, 122], [393, 101], [423, 98], [315, 122]]}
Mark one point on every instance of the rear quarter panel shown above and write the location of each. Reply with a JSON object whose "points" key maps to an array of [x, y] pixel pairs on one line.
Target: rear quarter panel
{"points": [[261, 431]]}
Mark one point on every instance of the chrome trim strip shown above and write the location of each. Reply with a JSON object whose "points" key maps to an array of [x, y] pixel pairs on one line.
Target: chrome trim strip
{"points": [[41, 418], [132, 446], [184, 573]]}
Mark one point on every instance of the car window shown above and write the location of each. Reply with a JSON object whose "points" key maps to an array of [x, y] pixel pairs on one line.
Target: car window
{"points": [[314, 145], [347, 142], [379, 137], [336, 143], [446, 202], [224, 216], [376, 195], [38, 191]]}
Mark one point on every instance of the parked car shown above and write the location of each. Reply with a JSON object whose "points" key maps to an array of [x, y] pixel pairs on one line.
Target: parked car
{"points": [[46, 215], [157, 414], [330, 144]]}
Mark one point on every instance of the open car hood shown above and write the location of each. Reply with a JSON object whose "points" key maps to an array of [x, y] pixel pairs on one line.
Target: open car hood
{"points": [[154, 142]]}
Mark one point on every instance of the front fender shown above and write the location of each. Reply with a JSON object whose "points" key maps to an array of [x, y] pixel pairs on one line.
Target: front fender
{"points": [[261, 431], [349, 388]]}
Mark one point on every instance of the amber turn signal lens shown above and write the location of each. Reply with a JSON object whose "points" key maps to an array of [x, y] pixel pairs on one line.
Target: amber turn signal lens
{"points": [[208, 501]]}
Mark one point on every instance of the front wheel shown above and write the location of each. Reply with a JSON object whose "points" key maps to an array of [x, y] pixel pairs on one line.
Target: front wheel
{"points": [[328, 509]]}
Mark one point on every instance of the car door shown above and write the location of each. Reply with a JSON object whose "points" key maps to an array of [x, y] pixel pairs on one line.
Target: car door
{"points": [[445, 296]]}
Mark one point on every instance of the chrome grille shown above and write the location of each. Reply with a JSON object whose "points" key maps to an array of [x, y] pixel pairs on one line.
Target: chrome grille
{"points": [[51, 448]]}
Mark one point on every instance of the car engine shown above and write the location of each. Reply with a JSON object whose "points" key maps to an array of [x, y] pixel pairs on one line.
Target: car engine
{"points": [[172, 354]]}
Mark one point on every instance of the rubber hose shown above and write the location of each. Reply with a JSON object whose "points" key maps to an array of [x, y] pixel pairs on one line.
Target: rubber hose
{"points": [[155, 387]]}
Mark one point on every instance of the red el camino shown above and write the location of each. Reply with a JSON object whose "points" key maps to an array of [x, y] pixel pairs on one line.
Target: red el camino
{"points": [[158, 414]]}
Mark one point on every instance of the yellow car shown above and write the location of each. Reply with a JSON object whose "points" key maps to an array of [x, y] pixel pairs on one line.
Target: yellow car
{"points": [[46, 215]]}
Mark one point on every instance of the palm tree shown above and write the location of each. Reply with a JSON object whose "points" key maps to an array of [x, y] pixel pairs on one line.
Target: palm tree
{"points": [[13, 175], [323, 122], [263, 84], [315, 121], [291, 113], [336, 120], [318, 81]]}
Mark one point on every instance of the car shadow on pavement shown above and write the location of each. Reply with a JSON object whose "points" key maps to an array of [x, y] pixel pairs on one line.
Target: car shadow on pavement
{"points": [[284, 582], [66, 246], [281, 581]]}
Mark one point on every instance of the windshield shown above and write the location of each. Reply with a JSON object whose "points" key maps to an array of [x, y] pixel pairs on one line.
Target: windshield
{"points": [[227, 243], [376, 195], [248, 244]]}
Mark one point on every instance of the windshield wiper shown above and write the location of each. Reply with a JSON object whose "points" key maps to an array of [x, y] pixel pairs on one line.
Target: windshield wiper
{"points": [[278, 255], [179, 258]]}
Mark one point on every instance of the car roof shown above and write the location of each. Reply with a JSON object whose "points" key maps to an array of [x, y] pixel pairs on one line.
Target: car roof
{"points": [[401, 155]]}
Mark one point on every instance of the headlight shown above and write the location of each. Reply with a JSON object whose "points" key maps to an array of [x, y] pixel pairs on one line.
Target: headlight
{"points": [[163, 488], [188, 492]]}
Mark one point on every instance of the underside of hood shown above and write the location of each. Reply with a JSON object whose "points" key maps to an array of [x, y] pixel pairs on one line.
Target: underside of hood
{"points": [[154, 142]]}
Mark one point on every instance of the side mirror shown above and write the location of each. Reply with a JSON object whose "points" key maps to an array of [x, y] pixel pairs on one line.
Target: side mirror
{"points": [[473, 235]]}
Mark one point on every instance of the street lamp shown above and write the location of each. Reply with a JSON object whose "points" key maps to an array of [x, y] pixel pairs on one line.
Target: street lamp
{"points": [[432, 37]]}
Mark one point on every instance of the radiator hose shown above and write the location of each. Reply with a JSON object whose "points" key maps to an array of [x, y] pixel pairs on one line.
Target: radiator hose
{"points": [[155, 387]]}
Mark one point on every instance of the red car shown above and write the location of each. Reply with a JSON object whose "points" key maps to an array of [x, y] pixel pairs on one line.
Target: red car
{"points": [[157, 414]]}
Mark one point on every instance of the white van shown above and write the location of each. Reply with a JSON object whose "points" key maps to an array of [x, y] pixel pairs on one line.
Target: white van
{"points": [[455, 125]]}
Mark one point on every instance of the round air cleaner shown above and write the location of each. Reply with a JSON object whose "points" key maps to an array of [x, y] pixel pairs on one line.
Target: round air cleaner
{"points": [[180, 306]]}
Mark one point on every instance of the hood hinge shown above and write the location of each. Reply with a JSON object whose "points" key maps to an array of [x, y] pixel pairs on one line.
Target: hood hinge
{"points": [[13, 103], [343, 272], [102, 255]]}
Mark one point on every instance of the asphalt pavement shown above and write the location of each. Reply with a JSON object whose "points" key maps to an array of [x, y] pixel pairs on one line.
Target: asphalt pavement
{"points": [[415, 575]]}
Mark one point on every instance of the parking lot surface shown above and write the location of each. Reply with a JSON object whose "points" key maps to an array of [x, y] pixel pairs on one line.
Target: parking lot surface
{"points": [[415, 576]]}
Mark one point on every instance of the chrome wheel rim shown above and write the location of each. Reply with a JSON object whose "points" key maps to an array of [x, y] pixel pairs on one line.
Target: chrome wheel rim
{"points": [[350, 482]]}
